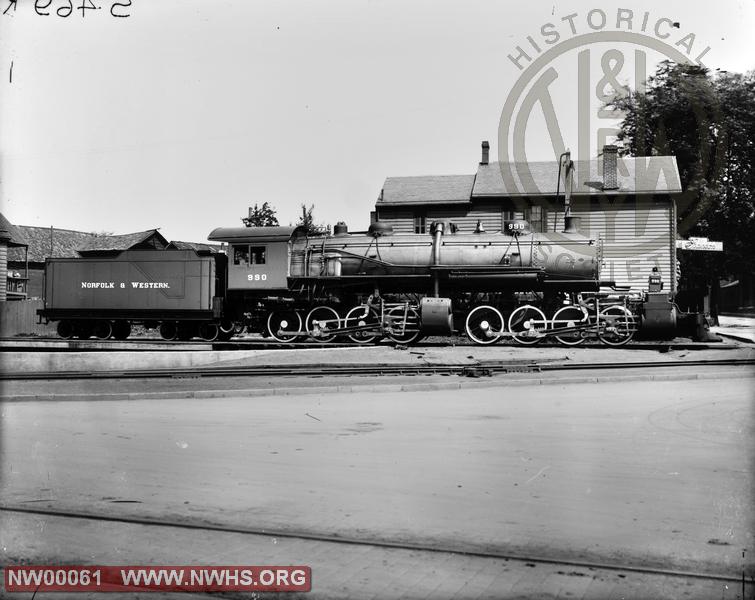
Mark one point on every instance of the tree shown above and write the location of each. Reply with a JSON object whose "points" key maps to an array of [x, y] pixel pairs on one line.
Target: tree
{"points": [[307, 220], [261, 216], [706, 120]]}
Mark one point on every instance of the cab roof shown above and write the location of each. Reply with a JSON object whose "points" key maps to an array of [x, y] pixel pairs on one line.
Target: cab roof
{"points": [[234, 235]]}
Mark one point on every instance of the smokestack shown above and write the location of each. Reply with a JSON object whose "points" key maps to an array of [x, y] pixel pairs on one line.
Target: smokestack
{"points": [[610, 158], [485, 153]]}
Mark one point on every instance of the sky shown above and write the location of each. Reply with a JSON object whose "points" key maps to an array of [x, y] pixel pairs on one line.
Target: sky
{"points": [[185, 113]]}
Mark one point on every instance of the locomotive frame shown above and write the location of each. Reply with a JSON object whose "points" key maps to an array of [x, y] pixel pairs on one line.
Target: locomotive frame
{"points": [[366, 286], [326, 298]]}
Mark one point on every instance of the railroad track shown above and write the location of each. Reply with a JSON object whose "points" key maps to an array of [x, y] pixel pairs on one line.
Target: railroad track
{"points": [[381, 543], [51, 344], [35, 344], [477, 369]]}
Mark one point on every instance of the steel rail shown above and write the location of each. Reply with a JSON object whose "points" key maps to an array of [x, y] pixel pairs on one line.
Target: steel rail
{"points": [[379, 543], [480, 368]]}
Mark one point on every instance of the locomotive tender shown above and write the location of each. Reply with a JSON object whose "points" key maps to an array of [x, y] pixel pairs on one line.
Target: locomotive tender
{"points": [[363, 286]]}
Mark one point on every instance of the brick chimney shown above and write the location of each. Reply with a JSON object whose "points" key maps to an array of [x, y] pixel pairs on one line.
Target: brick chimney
{"points": [[610, 158], [485, 153]]}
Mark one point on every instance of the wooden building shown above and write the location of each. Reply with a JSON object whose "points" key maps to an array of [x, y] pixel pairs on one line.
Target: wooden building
{"points": [[13, 276], [629, 202], [51, 242]]}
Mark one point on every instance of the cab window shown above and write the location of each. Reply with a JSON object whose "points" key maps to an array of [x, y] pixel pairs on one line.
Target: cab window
{"points": [[240, 255], [249, 255], [257, 255]]}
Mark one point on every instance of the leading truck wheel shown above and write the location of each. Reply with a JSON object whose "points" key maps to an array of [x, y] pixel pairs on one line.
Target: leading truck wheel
{"points": [[525, 323], [404, 324], [66, 330], [484, 325], [617, 325]]}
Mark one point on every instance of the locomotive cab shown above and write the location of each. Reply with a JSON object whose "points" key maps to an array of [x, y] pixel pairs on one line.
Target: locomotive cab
{"points": [[258, 257]]}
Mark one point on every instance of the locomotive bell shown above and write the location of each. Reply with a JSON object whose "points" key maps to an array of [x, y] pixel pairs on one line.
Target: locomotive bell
{"points": [[378, 228]]}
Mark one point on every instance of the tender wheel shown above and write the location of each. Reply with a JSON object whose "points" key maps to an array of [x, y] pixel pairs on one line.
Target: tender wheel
{"points": [[226, 329], [83, 330], [284, 325], [569, 316], [102, 330], [121, 330], [484, 325], [66, 330], [361, 316], [209, 331], [524, 321], [168, 330], [186, 331], [618, 325], [319, 321], [404, 331]]}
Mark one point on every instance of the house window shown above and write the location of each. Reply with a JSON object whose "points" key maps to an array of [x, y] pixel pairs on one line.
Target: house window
{"points": [[538, 219], [420, 223]]}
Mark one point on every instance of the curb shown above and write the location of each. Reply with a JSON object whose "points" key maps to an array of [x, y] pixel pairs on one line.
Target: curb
{"points": [[373, 388], [733, 336]]}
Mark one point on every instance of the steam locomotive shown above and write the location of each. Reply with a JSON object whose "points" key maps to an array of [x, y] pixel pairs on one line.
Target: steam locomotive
{"points": [[364, 286]]}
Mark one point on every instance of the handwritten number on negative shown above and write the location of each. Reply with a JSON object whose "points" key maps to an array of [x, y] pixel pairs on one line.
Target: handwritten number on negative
{"points": [[40, 6], [67, 10], [117, 9], [125, 4], [85, 6]]}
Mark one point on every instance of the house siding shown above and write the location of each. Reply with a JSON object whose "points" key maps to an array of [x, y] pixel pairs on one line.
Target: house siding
{"points": [[638, 232], [491, 217]]}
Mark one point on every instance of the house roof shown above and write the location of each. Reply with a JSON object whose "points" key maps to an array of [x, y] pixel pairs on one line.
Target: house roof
{"points": [[198, 246], [47, 242], [427, 189], [636, 175], [15, 237], [117, 243], [50, 242]]}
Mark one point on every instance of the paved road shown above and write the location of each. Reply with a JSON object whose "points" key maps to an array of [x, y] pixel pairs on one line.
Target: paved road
{"points": [[643, 473]]}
